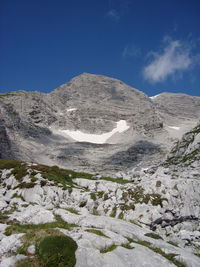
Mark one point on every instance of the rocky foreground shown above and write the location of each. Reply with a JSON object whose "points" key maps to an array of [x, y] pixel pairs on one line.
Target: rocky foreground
{"points": [[147, 217]]}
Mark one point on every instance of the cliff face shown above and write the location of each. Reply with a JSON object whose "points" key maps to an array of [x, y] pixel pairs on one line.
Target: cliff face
{"points": [[186, 152], [5, 143]]}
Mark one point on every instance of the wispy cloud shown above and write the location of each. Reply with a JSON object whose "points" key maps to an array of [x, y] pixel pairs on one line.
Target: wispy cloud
{"points": [[175, 58], [117, 9], [113, 15], [131, 51]]}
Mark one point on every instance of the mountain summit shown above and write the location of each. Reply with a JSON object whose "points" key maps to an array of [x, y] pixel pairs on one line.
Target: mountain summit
{"points": [[93, 123]]}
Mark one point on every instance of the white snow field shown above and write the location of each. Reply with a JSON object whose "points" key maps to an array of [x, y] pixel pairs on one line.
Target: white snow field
{"points": [[174, 127], [71, 109], [152, 97], [96, 138]]}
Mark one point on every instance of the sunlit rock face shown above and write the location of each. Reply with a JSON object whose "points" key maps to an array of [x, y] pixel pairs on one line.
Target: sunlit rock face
{"points": [[93, 123]]}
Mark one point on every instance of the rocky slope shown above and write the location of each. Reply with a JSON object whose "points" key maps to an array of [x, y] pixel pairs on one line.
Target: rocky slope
{"points": [[149, 217], [93, 123]]}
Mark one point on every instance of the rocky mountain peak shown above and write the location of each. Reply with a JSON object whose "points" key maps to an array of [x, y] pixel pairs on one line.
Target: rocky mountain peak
{"points": [[61, 126]]}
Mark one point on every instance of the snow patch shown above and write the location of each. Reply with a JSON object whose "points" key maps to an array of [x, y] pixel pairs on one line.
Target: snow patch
{"points": [[96, 138], [174, 127], [71, 109], [153, 97]]}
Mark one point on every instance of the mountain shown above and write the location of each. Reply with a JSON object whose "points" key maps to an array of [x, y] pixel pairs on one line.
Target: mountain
{"points": [[94, 123], [97, 173], [52, 216]]}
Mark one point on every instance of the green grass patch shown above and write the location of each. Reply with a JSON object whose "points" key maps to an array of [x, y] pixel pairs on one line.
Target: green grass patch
{"points": [[52, 173], [9, 164], [113, 247], [72, 211], [19, 168], [127, 207], [26, 185], [62, 176], [127, 246], [25, 228], [96, 232], [153, 235], [63, 172], [173, 243], [108, 249], [19, 172], [116, 180], [135, 222], [15, 195], [138, 196]]}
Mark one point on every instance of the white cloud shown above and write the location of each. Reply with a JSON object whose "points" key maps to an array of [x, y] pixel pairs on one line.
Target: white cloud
{"points": [[114, 15], [131, 51], [175, 58]]}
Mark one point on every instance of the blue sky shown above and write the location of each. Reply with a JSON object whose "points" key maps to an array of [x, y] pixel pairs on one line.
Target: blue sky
{"points": [[152, 45]]}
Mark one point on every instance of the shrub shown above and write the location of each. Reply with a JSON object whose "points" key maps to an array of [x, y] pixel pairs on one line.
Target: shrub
{"points": [[158, 183], [128, 207], [157, 200], [93, 196], [57, 251], [114, 211], [33, 179], [121, 216], [105, 197], [43, 182]]}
